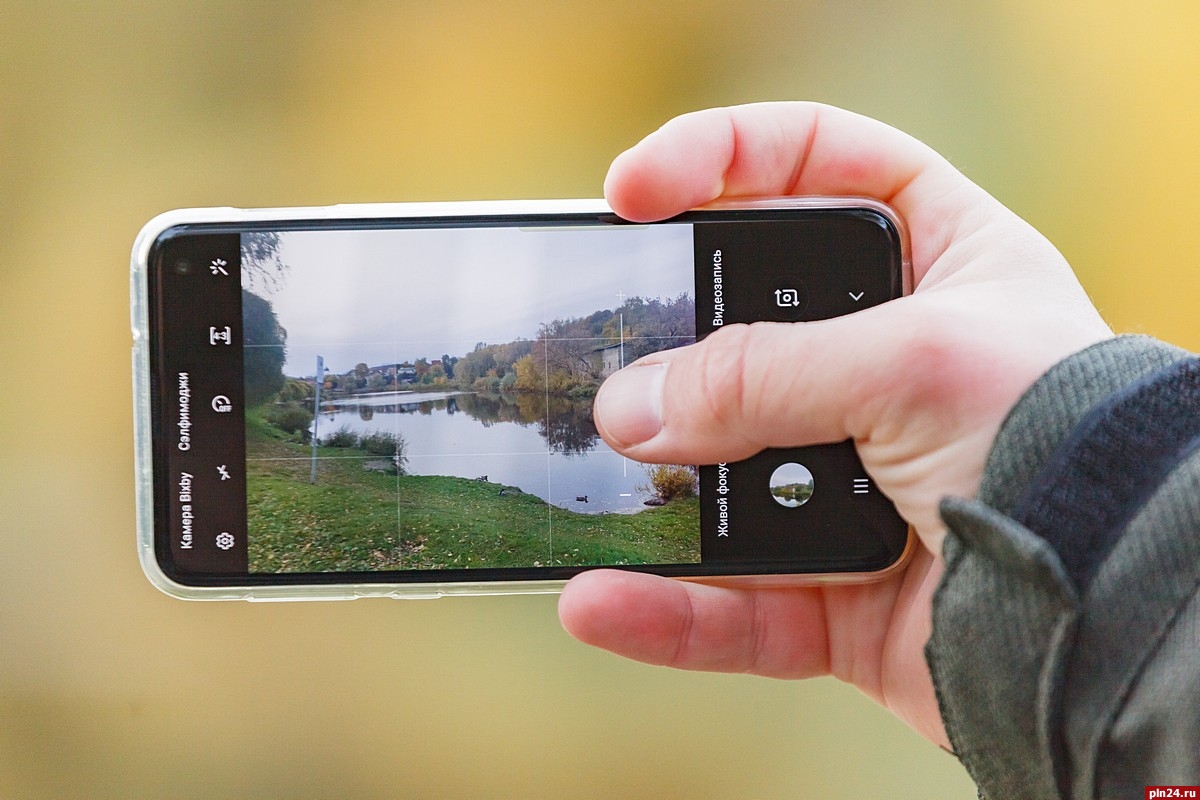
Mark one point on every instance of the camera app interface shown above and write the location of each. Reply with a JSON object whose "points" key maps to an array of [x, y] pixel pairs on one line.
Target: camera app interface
{"points": [[421, 399], [416, 399]]}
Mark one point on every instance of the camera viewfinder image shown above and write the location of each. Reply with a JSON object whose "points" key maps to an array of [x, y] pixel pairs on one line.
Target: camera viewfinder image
{"points": [[421, 398]]}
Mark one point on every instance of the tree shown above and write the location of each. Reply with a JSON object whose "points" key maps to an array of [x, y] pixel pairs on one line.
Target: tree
{"points": [[653, 325], [476, 364], [261, 262], [297, 390], [569, 353], [265, 349], [530, 378]]}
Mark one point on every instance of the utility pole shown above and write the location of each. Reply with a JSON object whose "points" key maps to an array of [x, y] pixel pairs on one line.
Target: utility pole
{"points": [[317, 414]]}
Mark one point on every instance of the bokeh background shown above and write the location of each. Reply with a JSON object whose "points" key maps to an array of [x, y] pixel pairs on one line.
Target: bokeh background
{"points": [[1083, 117]]}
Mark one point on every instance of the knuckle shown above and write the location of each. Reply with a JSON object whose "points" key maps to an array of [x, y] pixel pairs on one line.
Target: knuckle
{"points": [[721, 377], [936, 363]]}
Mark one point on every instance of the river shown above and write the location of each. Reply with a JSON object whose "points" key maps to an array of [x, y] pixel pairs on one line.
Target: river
{"points": [[543, 445]]}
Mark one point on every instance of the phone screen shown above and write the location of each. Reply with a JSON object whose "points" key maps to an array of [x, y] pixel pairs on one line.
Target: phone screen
{"points": [[410, 400]]}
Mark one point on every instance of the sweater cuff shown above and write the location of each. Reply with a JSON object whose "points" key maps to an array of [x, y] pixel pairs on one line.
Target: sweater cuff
{"points": [[1006, 611], [1056, 403]]}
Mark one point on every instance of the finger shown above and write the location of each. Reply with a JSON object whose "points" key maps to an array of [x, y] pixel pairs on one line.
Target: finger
{"points": [[748, 387], [692, 626], [772, 149]]}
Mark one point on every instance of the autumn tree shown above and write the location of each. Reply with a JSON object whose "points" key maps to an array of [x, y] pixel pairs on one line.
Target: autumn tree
{"points": [[262, 266], [265, 349]]}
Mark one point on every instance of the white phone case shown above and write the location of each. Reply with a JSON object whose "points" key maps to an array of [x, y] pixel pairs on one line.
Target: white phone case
{"points": [[144, 462]]}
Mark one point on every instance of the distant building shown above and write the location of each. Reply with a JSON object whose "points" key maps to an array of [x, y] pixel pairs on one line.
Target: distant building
{"points": [[610, 356], [398, 373]]}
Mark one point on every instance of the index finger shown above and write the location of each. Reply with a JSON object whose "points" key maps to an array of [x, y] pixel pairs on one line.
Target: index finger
{"points": [[692, 626], [778, 149]]}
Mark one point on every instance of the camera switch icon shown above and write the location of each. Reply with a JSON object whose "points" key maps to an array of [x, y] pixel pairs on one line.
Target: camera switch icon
{"points": [[787, 298]]}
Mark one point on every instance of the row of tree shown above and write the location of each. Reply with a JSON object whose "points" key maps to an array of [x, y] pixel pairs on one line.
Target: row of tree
{"points": [[569, 353], [566, 354]]}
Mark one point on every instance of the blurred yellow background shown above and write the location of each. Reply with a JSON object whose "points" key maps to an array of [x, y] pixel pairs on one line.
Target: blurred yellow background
{"points": [[1082, 117]]}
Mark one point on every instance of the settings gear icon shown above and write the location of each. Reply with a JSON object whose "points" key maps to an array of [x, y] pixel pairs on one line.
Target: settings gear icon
{"points": [[224, 540]]}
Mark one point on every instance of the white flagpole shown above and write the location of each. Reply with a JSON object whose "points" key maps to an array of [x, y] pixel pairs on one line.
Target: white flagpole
{"points": [[317, 414]]}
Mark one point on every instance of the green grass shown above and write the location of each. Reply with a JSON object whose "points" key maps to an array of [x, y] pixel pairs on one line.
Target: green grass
{"points": [[357, 519]]}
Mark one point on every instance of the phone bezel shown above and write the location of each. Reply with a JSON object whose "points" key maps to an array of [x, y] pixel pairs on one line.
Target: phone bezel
{"points": [[337, 590]]}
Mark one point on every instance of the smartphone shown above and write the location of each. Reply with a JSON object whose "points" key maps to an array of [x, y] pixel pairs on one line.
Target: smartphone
{"points": [[396, 400]]}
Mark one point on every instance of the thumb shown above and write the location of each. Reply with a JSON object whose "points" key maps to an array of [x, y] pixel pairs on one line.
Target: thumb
{"points": [[742, 389], [922, 402]]}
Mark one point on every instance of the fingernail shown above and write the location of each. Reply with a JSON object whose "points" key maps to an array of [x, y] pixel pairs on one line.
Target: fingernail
{"points": [[629, 404]]}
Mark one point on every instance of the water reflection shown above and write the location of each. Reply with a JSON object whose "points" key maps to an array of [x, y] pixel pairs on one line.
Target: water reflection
{"points": [[565, 424], [543, 444]]}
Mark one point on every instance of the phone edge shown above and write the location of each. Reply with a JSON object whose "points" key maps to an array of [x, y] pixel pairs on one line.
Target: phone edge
{"points": [[143, 449]]}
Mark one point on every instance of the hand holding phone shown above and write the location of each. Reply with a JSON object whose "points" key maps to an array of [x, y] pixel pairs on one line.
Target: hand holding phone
{"points": [[921, 385], [397, 400]]}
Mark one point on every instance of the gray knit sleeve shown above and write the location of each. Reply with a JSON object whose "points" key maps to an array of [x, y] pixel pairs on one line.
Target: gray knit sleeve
{"points": [[1051, 685]]}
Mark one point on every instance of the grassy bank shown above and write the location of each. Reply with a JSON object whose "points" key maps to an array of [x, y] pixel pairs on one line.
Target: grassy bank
{"points": [[358, 519]]}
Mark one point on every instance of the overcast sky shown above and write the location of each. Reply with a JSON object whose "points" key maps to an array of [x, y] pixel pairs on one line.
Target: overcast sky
{"points": [[390, 296]]}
